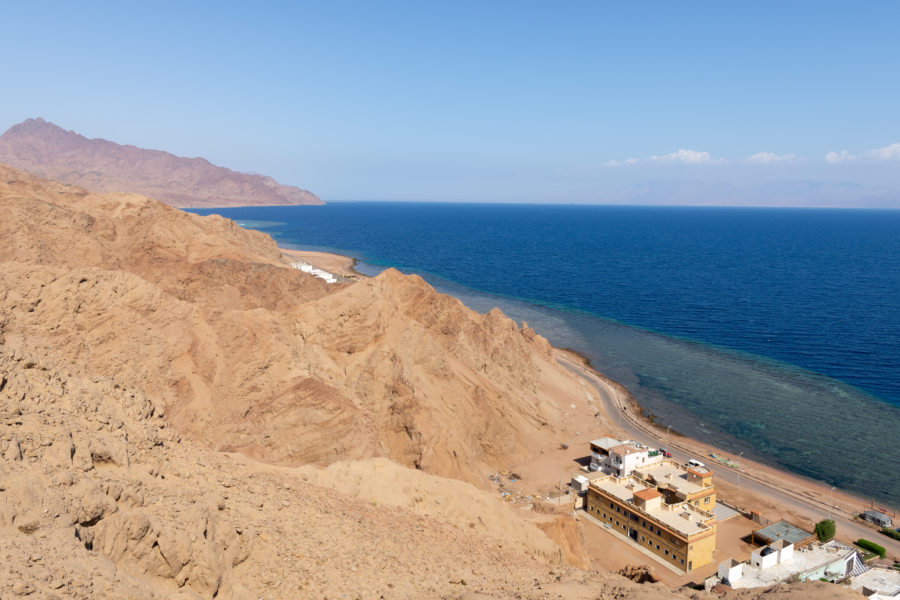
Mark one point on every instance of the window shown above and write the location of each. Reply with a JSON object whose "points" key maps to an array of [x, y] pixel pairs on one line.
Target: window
{"points": [[667, 552], [682, 560], [610, 504], [706, 500], [657, 546], [642, 538]]}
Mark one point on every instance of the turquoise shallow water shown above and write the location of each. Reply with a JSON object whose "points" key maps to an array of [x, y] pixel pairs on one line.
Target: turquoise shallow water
{"points": [[775, 333]]}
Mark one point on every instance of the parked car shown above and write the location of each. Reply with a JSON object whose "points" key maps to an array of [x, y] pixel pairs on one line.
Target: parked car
{"points": [[665, 453]]}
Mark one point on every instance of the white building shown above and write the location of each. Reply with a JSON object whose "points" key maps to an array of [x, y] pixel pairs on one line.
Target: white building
{"points": [[321, 274], [621, 458], [778, 562], [730, 571]]}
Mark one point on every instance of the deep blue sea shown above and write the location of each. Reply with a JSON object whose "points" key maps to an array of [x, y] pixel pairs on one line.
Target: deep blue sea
{"points": [[775, 332]]}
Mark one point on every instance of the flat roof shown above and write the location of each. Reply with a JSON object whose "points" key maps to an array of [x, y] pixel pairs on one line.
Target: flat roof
{"points": [[669, 473], [605, 443], [883, 581], [782, 530], [681, 518], [626, 449]]}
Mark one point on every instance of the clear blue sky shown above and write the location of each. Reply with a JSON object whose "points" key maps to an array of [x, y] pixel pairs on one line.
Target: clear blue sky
{"points": [[474, 100]]}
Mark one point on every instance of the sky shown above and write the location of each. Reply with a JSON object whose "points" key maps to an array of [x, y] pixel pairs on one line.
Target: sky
{"points": [[480, 101]]}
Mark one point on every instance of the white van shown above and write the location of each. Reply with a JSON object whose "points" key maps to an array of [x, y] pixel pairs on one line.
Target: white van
{"points": [[695, 463]]}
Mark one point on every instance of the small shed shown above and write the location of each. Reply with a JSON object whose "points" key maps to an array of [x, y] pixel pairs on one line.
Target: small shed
{"points": [[764, 557], [579, 483], [878, 518], [730, 571]]}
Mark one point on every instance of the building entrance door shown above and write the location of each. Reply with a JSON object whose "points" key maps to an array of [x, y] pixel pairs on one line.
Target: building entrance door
{"points": [[632, 533]]}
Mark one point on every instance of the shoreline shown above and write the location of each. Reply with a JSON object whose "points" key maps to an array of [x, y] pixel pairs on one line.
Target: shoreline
{"points": [[343, 266], [755, 485], [770, 490]]}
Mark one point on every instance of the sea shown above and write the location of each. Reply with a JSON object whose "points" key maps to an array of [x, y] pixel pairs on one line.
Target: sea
{"points": [[772, 332]]}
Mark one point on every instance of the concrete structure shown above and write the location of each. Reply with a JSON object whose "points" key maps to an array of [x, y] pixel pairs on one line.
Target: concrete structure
{"points": [[681, 534], [782, 530], [320, 273], [878, 518], [777, 553], [878, 584], [730, 571], [771, 565], [681, 484], [579, 483], [620, 458]]}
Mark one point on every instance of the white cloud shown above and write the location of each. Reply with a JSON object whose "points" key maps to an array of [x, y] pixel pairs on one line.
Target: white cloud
{"points": [[621, 163], [891, 152], [839, 157], [688, 157], [770, 158], [886, 153]]}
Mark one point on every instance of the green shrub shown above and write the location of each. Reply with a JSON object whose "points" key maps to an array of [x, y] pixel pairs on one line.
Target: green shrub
{"points": [[825, 530], [871, 546], [891, 533]]}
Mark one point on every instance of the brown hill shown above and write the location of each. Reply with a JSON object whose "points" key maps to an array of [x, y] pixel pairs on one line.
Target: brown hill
{"points": [[248, 354], [100, 499], [137, 342], [46, 150]]}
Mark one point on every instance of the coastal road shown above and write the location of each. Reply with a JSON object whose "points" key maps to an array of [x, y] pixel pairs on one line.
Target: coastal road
{"points": [[633, 427]]}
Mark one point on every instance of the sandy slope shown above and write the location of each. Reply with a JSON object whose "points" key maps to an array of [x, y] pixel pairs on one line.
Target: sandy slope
{"points": [[248, 354], [137, 343]]}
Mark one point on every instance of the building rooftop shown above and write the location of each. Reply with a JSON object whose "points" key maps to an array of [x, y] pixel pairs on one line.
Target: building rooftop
{"points": [[605, 443], [669, 473], [882, 581], [647, 494], [700, 471], [681, 518], [801, 562], [622, 449], [877, 514], [782, 530]]}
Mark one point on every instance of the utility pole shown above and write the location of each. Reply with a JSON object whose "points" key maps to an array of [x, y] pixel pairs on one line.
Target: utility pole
{"points": [[830, 502], [668, 427], [740, 468]]}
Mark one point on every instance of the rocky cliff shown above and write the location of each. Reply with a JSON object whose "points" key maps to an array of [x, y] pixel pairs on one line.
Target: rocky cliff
{"points": [[46, 150]]}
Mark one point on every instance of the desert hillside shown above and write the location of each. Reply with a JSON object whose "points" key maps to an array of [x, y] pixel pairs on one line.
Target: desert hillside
{"points": [[185, 415], [246, 354], [46, 150]]}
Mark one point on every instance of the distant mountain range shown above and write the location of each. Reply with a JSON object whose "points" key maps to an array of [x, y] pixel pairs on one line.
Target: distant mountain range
{"points": [[47, 150]]}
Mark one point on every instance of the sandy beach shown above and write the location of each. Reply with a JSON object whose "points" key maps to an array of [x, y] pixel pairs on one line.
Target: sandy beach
{"points": [[333, 263]]}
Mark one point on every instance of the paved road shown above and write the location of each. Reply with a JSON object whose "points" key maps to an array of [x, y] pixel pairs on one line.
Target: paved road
{"points": [[634, 427]]}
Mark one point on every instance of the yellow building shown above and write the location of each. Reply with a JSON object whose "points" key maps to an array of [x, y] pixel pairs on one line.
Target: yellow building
{"points": [[681, 534], [691, 484]]}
